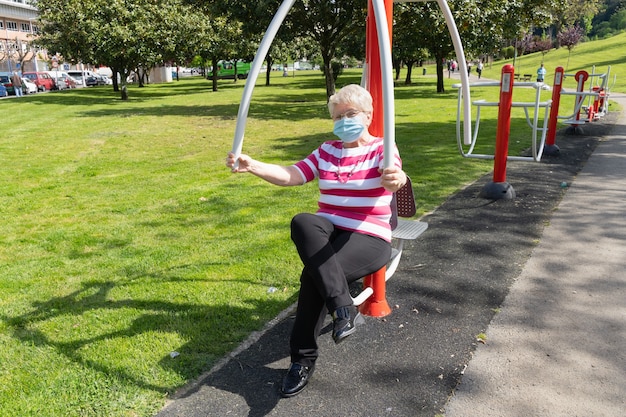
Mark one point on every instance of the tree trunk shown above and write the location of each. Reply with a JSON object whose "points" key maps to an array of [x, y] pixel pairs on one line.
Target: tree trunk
{"points": [[114, 74], [329, 76], [139, 73], [409, 72], [123, 88], [397, 64], [270, 62], [440, 88], [214, 72]]}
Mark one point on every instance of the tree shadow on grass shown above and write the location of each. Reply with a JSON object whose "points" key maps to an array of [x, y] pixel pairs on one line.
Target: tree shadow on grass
{"points": [[190, 321]]}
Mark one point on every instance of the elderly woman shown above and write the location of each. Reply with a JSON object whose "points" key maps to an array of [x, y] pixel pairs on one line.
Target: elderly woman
{"points": [[348, 237]]}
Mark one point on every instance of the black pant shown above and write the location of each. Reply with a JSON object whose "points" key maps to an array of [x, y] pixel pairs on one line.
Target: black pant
{"points": [[332, 259]]}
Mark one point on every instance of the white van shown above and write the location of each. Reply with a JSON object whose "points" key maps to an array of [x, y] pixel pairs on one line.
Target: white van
{"points": [[89, 77]]}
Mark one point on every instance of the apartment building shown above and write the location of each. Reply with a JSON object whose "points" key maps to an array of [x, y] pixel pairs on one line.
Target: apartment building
{"points": [[17, 26]]}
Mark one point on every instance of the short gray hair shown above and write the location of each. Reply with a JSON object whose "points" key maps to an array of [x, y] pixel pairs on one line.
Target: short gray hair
{"points": [[352, 94]]}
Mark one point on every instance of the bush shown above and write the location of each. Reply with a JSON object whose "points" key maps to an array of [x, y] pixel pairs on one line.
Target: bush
{"points": [[618, 20], [604, 30], [508, 52]]}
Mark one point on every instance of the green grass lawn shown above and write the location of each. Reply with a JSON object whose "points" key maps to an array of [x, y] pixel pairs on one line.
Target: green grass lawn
{"points": [[124, 237]]}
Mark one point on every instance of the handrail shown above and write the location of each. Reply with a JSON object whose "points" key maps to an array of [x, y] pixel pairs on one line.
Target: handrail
{"points": [[537, 145], [255, 69], [384, 45]]}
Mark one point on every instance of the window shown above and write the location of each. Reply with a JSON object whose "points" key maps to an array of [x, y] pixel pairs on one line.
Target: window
{"points": [[11, 25], [25, 27], [1, 24]]}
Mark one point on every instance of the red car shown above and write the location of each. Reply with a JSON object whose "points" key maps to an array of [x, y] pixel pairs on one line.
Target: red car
{"points": [[43, 80]]}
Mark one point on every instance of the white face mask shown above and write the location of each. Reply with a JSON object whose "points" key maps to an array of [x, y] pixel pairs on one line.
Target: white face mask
{"points": [[349, 129]]}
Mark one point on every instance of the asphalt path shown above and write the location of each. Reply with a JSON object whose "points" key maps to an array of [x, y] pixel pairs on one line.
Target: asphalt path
{"points": [[451, 284], [558, 346]]}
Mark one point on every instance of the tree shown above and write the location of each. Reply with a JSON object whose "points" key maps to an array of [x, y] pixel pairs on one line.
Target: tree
{"points": [[425, 23], [406, 51], [567, 13], [220, 44], [123, 34], [251, 18], [569, 38], [328, 23], [16, 51], [603, 24], [525, 44], [543, 44]]}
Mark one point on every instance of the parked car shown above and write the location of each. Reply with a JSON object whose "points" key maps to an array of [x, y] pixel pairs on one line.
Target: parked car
{"points": [[3, 91], [59, 83], [28, 87], [43, 80], [69, 81], [78, 80], [63, 79], [5, 80], [91, 78], [94, 80]]}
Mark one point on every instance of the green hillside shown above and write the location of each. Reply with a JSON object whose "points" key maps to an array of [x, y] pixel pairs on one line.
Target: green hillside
{"points": [[601, 53]]}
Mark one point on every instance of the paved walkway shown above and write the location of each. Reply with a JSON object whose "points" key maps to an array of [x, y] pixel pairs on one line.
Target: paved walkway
{"points": [[542, 277], [558, 346]]}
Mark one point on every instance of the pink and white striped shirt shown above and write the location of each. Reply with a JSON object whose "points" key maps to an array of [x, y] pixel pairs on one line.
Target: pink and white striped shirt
{"points": [[351, 195]]}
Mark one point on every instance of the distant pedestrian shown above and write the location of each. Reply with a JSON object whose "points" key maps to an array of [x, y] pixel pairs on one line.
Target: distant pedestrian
{"points": [[479, 69], [541, 73], [17, 84]]}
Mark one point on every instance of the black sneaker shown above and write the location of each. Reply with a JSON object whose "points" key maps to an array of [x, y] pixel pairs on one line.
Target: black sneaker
{"points": [[345, 320]]}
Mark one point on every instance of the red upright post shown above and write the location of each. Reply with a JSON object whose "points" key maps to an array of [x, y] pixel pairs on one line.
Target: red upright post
{"points": [[504, 124], [499, 188], [551, 148], [374, 71], [580, 77], [376, 305]]}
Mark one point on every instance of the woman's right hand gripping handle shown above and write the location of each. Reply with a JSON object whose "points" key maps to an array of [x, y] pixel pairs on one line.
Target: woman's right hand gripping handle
{"points": [[241, 164]]}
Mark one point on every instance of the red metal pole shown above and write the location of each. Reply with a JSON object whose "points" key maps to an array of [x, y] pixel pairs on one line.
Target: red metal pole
{"points": [[580, 77], [504, 124], [376, 305], [554, 108], [374, 71]]}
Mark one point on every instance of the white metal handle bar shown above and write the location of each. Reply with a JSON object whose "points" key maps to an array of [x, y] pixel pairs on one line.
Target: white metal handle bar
{"points": [[460, 54], [261, 53], [384, 43]]}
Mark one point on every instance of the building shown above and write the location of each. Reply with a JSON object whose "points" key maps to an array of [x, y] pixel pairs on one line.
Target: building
{"points": [[17, 26]]}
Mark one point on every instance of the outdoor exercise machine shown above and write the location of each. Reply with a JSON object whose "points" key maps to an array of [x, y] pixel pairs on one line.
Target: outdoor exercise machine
{"points": [[598, 109], [378, 79], [597, 98], [498, 188], [537, 124]]}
